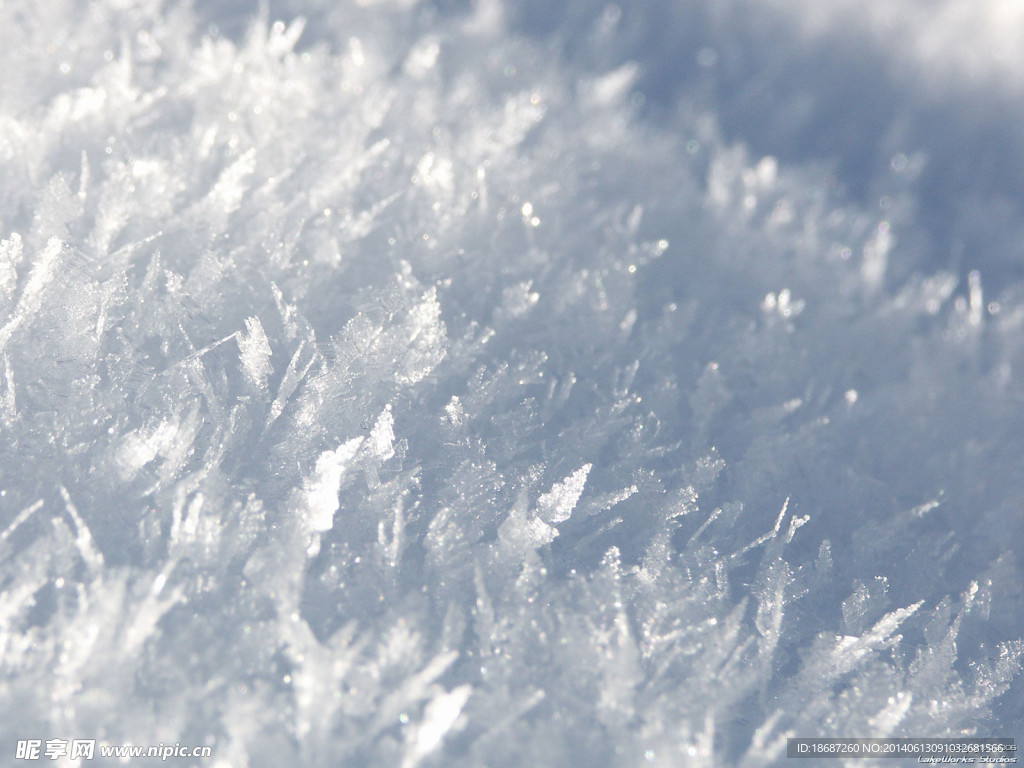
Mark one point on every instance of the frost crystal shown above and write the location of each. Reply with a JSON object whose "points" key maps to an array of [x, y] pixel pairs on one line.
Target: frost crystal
{"points": [[382, 436], [419, 382], [254, 352], [322, 493], [440, 715], [556, 505]]}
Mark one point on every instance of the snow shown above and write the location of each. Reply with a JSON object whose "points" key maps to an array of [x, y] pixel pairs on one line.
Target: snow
{"points": [[428, 382]]}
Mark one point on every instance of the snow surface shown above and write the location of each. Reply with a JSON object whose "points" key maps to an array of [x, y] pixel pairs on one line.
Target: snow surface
{"points": [[436, 383]]}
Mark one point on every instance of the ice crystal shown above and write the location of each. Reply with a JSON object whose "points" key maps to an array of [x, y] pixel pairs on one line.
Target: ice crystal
{"points": [[423, 383], [322, 496]]}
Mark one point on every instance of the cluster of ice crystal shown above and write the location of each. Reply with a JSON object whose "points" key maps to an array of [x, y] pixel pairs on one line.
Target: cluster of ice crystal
{"points": [[389, 385]]}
